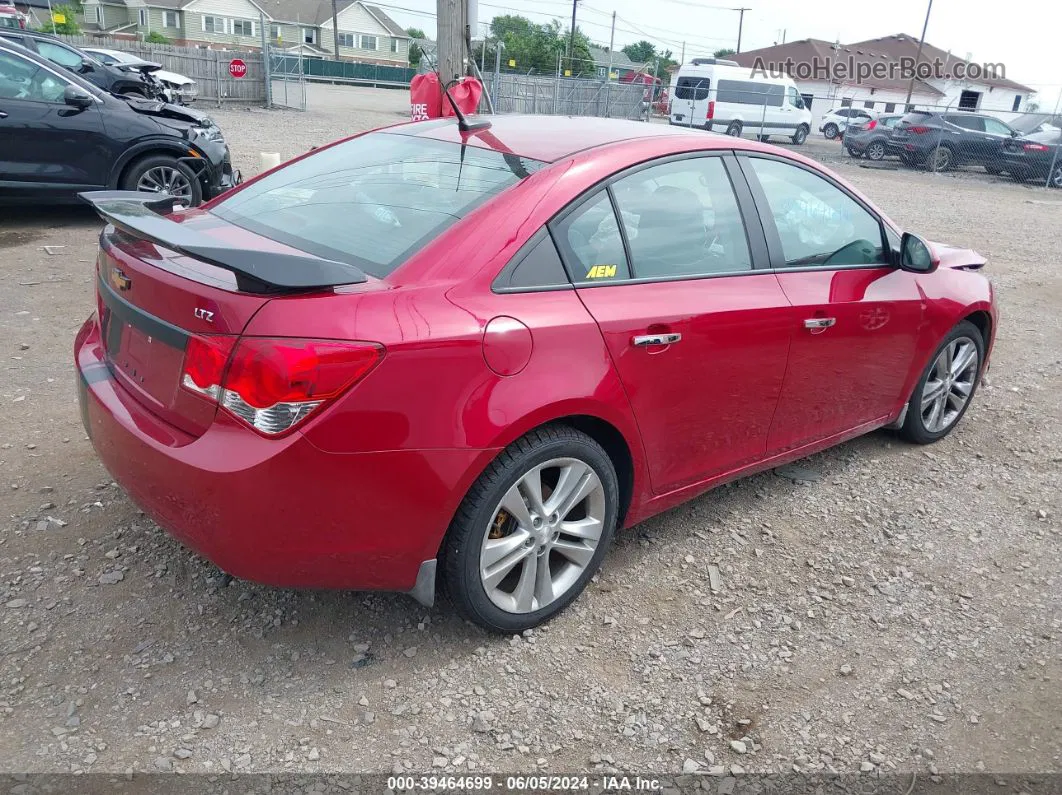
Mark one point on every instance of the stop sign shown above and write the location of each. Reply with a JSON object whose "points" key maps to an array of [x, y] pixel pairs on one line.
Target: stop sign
{"points": [[237, 68]]}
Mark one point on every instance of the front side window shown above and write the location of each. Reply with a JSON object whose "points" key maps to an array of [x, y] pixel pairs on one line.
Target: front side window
{"points": [[373, 200], [817, 222], [592, 238], [22, 79], [996, 127], [682, 219], [794, 98], [60, 55], [974, 123]]}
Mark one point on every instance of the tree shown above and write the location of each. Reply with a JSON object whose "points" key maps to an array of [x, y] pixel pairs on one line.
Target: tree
{"points": [[69, 26], [726, 52], [415, 53], [641, 51]]}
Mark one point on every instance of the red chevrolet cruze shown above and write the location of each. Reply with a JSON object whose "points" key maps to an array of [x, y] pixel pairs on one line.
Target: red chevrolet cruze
{"points": [[432, 354]]}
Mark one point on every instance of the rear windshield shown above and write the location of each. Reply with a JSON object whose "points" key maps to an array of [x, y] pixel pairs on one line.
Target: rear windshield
{"points": [[695, 88], [374, 200], [916, 117]]}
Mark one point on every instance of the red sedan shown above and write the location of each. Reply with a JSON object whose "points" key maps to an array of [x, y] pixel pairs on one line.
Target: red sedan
{"points": [[424, 354]]}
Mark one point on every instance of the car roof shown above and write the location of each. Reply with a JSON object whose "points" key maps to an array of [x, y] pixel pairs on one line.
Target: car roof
{"points": [[30, 55], [550, 138]]}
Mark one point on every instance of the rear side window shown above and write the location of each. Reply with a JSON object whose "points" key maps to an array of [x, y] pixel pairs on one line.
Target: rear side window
{"points": [[538, 266], [974, 123], [692, 88], [374, 200], [682, 219], [593, 242], [749, 92]]}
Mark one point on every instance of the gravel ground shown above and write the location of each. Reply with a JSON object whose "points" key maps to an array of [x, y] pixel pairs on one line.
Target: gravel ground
{"points": [[879, 608]]}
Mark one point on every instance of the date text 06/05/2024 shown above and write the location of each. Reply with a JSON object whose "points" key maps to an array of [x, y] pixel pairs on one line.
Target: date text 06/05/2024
{"points": [[533, 783]]}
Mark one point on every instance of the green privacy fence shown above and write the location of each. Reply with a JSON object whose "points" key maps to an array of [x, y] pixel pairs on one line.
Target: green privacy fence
{"points": [[344, 71]]}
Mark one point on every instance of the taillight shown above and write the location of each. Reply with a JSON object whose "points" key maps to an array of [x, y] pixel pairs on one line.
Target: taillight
{"points": [[918, 129], [273, 384], [711, 109], [1035, 148], [870, 125]]}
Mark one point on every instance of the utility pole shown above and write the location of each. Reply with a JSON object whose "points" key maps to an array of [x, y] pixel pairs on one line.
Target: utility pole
{"points": [[918, 57], [452, 22], [335, 26], [571, 37], [611, 46], [741, 23], [682, 58]]}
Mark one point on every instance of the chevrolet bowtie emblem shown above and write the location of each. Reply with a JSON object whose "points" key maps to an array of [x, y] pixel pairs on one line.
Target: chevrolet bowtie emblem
{"points": [[119, 280]]}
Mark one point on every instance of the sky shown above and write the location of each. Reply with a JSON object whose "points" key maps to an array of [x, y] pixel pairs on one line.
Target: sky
{"points": [[1026, 40]]}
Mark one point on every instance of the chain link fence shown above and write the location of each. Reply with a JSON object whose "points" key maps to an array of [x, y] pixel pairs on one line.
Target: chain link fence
{"points": [[934, 137], [565, 96]]}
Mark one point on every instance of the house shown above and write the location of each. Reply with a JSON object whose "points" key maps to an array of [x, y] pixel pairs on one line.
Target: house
{"points": [[962, 87], [366, 33], [822, 72], [868, 75], [622, 66]]}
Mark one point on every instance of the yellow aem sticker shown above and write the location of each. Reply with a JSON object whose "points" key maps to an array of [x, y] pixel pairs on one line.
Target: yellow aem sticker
{"points": [[601, 272]]}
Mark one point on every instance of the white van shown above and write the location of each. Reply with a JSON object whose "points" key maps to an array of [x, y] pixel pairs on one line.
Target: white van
{"points": [[718, 95]]}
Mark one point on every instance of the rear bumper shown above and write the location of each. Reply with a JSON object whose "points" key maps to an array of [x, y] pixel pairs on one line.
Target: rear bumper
{"points": [[277, 511]]}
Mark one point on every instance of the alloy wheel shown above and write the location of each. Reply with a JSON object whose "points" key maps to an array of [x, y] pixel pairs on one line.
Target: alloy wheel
{"points": [[543, 535], [876, 151], [1056, 176], [949, 385], [166, 179]]}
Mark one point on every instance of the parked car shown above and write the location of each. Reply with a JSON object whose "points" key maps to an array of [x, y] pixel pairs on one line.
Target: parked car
{"points": [[720, 96], [401, 358], [1029, 123], [869, 138], [179, 89], [836, 122], [109, 78], [1035, 156], [939, 141], [60, 134], [11, 18]]}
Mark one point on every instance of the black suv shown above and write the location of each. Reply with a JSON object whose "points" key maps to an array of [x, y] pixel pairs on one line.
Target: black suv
{"points": [[59, 135], [109, 78], [940, 141]]}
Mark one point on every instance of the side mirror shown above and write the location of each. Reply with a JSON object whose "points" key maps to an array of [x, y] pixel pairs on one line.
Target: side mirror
{"points": [[77, 97], [916, 255], [86, 67]]}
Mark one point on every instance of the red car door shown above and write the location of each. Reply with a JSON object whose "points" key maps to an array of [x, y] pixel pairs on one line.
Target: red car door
{"points": [[699, 338], [855, 317]]}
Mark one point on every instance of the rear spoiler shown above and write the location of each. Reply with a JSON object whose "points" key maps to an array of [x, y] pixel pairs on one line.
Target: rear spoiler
{"points": [[142, 215]]}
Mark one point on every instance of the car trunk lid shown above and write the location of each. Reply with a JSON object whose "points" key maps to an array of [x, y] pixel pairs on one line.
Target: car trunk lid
{"points": [[163, 280]]}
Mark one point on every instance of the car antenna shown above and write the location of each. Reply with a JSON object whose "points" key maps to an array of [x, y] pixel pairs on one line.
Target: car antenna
{"points": [[463, 124]]}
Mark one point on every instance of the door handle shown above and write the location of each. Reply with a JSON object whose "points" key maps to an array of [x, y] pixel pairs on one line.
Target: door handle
{"points": [[656, 339], [3, 115], [819, 323]]}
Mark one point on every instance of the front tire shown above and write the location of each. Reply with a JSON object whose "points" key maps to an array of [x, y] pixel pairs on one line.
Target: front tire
{"points": [[1055, 179], [532, 530], [800, 136], [947, 386], [164, 174], [941, 159], [830, 131]]}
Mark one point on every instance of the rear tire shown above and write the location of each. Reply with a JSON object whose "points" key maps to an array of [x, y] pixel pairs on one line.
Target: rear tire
{"points": [[875, 151], [164, 174], [763, 138], [1055, 180], [734, 129], [940, 159], [947, 386], [555, 554]]}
